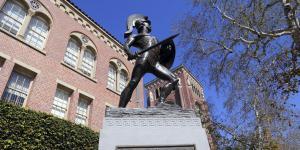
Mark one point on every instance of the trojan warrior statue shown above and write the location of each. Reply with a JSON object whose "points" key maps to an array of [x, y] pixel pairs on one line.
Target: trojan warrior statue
{"points": [[157, 59]]}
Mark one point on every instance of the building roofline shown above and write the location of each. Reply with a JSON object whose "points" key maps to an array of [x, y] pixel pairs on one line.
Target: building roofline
{"points": [[108, 34], [181, 66]]}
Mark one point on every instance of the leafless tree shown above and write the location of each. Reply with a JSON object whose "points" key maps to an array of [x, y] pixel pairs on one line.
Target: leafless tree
{"points": [[250, 49]]}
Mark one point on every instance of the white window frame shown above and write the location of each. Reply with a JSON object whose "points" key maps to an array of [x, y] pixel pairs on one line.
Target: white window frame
{"points": [[71, 51], [15, 87], [37, 30], [122, 81], [88, 62], [15, 19], [79, 114], [112, 77], [57, 100]]}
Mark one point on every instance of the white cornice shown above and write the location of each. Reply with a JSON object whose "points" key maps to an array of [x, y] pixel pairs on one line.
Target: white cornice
{"points": [[90, 25]]}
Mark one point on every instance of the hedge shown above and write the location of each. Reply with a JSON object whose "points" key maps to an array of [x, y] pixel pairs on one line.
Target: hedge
{"points": [[26, 129]]}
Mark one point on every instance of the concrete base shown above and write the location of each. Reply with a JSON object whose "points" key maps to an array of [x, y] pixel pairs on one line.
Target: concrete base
{"points": [[165, 128]]}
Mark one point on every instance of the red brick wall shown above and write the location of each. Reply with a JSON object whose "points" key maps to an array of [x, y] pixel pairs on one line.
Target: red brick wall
{"points": [[187, 97], [44, 85], [184, 92]]}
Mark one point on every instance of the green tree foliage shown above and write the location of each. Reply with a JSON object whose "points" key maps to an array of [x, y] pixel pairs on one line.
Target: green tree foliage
{"points": [[26, 129], [251, 50]]}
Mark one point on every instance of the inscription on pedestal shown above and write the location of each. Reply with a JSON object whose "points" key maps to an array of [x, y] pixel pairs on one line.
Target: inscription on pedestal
{"points": [[161, 128]]}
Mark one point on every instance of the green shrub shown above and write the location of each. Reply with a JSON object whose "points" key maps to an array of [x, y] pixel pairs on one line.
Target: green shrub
{"points": [[27, 129]]}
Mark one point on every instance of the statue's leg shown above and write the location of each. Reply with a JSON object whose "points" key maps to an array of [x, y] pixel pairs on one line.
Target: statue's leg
{"points": [[136, 76], [165, 74]]}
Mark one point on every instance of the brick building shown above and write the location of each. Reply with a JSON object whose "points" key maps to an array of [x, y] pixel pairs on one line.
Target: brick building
{"points": [[55, 59], [188, 95]]}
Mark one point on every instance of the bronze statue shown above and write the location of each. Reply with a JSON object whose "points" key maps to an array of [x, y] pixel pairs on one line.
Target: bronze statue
{"points": [[154, 57]]}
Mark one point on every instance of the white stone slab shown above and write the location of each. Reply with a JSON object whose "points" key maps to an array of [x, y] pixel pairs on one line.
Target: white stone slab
{"points": [[131, 130]]}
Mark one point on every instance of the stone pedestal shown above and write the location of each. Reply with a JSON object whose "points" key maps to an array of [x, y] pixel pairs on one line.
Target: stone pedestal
{"points": [[162, 128]]}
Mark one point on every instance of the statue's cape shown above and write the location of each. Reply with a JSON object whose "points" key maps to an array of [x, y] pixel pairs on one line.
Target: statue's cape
{"points": [[167, 54]]}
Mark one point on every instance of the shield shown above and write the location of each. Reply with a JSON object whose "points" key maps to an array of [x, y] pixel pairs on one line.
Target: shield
{"points": [[167, 54]]}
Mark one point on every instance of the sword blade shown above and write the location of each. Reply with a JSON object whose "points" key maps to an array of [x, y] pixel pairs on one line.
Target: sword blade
{"points": [[158, 44]]}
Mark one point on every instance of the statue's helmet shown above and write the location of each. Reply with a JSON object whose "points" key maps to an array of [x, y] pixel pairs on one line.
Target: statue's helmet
{"points": [[132, 22]]}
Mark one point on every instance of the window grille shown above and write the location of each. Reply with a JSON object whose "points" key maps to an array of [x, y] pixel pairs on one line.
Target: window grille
{"points": [[82, 112], [17, 89], [123, 80], [12, 16], [72, 53], [60, 103], [88, 61], [112, 76], [37, 32]]}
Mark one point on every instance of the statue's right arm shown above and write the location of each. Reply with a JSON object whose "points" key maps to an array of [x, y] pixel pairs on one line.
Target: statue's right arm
{"points": [[127, 46]]}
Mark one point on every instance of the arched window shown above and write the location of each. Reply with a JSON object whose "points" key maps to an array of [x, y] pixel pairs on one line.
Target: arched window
{"points": [[117, 75], [37, 32], [72, 53], [12, 16], [88, 62], [81, 54], [123, 80], [112, 76]]}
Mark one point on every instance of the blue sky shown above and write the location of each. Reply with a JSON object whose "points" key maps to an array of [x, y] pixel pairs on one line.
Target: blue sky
{"points": [[112, 15]]}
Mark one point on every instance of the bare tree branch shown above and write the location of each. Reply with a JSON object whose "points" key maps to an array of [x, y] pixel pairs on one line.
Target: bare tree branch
{"points": [[217, 43], [248, 48], [235, 136], [276, 33]]}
